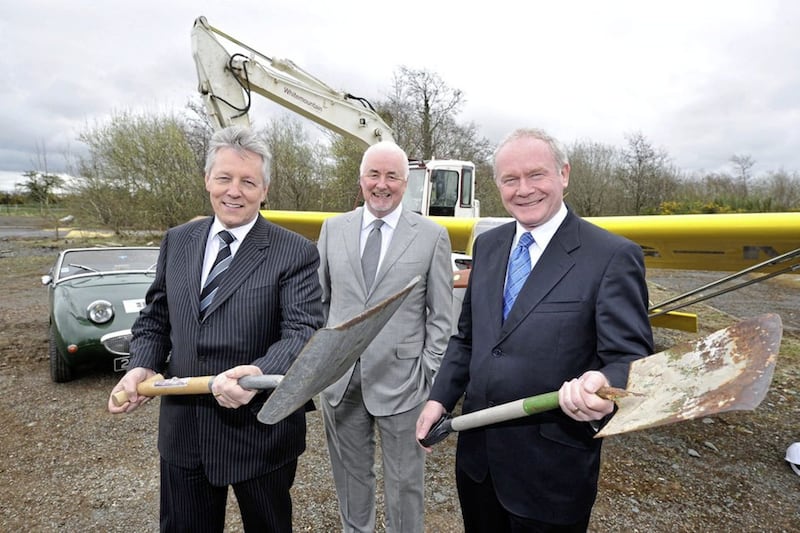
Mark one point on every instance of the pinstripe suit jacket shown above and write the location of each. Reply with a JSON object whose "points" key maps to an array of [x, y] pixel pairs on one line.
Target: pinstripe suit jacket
{"points": [[266, 308]]}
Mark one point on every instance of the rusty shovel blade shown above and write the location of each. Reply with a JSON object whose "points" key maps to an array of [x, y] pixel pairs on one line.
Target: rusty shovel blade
{"points": [[728, 370], [327, 355]]}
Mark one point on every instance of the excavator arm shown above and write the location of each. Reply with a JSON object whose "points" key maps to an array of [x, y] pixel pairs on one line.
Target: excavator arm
{"points": [[227, 81]]}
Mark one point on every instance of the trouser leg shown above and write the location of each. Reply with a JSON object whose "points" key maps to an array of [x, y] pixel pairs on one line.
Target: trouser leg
{"points": [[189, 502], [403, 472], [351, 443]]}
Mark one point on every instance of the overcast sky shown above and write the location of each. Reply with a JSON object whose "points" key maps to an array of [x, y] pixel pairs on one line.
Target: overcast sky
{"points": [[702, 80]]}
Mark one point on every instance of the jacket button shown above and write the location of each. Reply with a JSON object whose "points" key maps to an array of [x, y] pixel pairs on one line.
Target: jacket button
{"points": [[497, 352]]}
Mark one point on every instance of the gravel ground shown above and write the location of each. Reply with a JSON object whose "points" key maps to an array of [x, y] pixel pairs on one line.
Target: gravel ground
{"points": [[67, 465]]}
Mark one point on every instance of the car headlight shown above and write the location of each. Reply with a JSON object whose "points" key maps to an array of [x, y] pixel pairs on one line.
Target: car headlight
{"points": [[117, 342], [100, 311]]}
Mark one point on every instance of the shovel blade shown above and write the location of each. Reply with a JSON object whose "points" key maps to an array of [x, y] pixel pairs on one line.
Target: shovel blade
{"points": [[728, 370], [327, 355]]}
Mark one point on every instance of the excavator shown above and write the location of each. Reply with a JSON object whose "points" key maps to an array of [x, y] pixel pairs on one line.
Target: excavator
{"points": [[756, 247], [227, 82]]}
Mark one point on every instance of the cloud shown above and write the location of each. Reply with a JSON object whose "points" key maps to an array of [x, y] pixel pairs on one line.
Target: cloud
{"points": [[703, 80]]}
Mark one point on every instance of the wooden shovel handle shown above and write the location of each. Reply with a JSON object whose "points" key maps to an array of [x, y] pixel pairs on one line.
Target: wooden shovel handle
{"points": [[158, 386]]}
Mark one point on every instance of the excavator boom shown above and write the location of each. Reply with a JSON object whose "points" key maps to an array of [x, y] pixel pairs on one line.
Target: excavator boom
{"points": [[227, 82]]}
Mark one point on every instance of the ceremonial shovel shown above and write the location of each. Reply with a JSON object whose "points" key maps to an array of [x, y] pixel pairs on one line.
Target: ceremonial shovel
{"points": [[324, 359], [730, 369]]}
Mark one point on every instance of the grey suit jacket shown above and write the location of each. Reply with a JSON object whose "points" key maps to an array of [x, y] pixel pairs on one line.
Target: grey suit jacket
{"points": [[266, 308], [398, 367]]}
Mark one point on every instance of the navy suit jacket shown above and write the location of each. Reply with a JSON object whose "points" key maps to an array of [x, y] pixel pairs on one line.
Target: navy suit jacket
{"points": [[266, 308], [583, 307]]}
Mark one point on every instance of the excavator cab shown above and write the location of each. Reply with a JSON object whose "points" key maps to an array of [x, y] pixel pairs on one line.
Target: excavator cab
{"points": [[444, 192], [441, 187]]}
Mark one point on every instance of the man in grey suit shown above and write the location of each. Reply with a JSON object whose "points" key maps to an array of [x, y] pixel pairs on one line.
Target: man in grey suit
{"points": [[367, 255], [553, 303], [249, 313]]}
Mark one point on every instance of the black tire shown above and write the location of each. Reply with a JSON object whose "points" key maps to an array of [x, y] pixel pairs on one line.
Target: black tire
{"points": [[60, 371]]}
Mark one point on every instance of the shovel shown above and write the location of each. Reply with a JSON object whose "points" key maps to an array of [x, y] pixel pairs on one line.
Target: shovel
{"points": [[327, 355], [730, 369]]}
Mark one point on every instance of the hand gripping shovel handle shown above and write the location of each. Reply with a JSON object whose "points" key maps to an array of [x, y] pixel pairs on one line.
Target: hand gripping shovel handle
{"points": [[158, 386], [501, 413]]}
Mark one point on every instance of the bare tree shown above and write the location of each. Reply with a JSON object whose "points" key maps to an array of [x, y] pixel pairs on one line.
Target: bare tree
{"points": [[421, 109], [783, 190], [646, 175], [199, 130], [298, 166], [591, 184], [40, 188], [342, 192], [141, 172], [742, 165]]}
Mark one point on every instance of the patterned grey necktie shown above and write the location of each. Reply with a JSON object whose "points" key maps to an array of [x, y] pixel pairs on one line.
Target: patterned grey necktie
{"points": [[221, 264], [372, 253]]}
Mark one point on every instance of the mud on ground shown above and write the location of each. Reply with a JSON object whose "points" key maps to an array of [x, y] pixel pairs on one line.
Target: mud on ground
{"points": [[67, 465]]}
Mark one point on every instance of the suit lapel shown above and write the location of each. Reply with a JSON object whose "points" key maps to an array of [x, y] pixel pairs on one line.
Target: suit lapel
{"points": [[496, 261], [553, 265], [194, 252], [249, 256], [403, 235], [351, 234]]}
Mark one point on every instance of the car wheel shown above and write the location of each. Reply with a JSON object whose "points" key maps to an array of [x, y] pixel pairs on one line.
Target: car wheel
{"points": [[60, 371]]}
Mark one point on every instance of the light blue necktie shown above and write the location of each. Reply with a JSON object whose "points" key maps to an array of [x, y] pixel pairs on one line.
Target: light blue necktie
{"points": [[220, 265], [518, 270]]}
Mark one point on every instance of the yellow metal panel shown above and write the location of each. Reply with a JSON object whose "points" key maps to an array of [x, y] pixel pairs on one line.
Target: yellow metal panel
{"points": [[306, 223], [675, 320], [721, 242]]}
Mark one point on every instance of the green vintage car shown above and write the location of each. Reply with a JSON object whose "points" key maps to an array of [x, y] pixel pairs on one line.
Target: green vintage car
{"points": [[94, 292]]}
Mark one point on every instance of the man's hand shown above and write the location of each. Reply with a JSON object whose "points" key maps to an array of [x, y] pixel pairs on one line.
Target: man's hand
{"points": [[430, 414], [226, 389], [578, 400], [128, 383]]}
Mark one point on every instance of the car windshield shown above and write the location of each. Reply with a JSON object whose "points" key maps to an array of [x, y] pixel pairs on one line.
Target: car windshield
{"points": [[77, 262]]}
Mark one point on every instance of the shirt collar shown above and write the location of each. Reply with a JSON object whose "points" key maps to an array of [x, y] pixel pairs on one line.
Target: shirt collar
{"points": [[544, 233], [391, 219], [240, 232]]}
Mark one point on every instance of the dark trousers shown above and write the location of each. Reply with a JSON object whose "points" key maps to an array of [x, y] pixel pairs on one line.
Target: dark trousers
{"points": [[189, 503], [483, 513]]}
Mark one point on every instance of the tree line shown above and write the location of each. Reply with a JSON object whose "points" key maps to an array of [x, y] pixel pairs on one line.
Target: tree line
{"points": [[145, 170]]}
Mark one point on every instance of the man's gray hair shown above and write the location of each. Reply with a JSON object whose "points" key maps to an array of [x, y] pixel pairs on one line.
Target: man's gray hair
{"points": [[240, 139], [559, 154], [383, 146]]}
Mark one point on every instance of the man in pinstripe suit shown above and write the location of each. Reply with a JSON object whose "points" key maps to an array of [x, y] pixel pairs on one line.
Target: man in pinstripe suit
{"points": [[266, 306]]}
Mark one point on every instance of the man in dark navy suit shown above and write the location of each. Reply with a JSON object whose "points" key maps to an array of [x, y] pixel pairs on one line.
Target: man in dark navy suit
{"points": [[259, 306], [553, 303]]}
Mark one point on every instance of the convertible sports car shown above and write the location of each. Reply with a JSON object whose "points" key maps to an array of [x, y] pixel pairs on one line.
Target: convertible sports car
{"points": [[94, 292]]}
